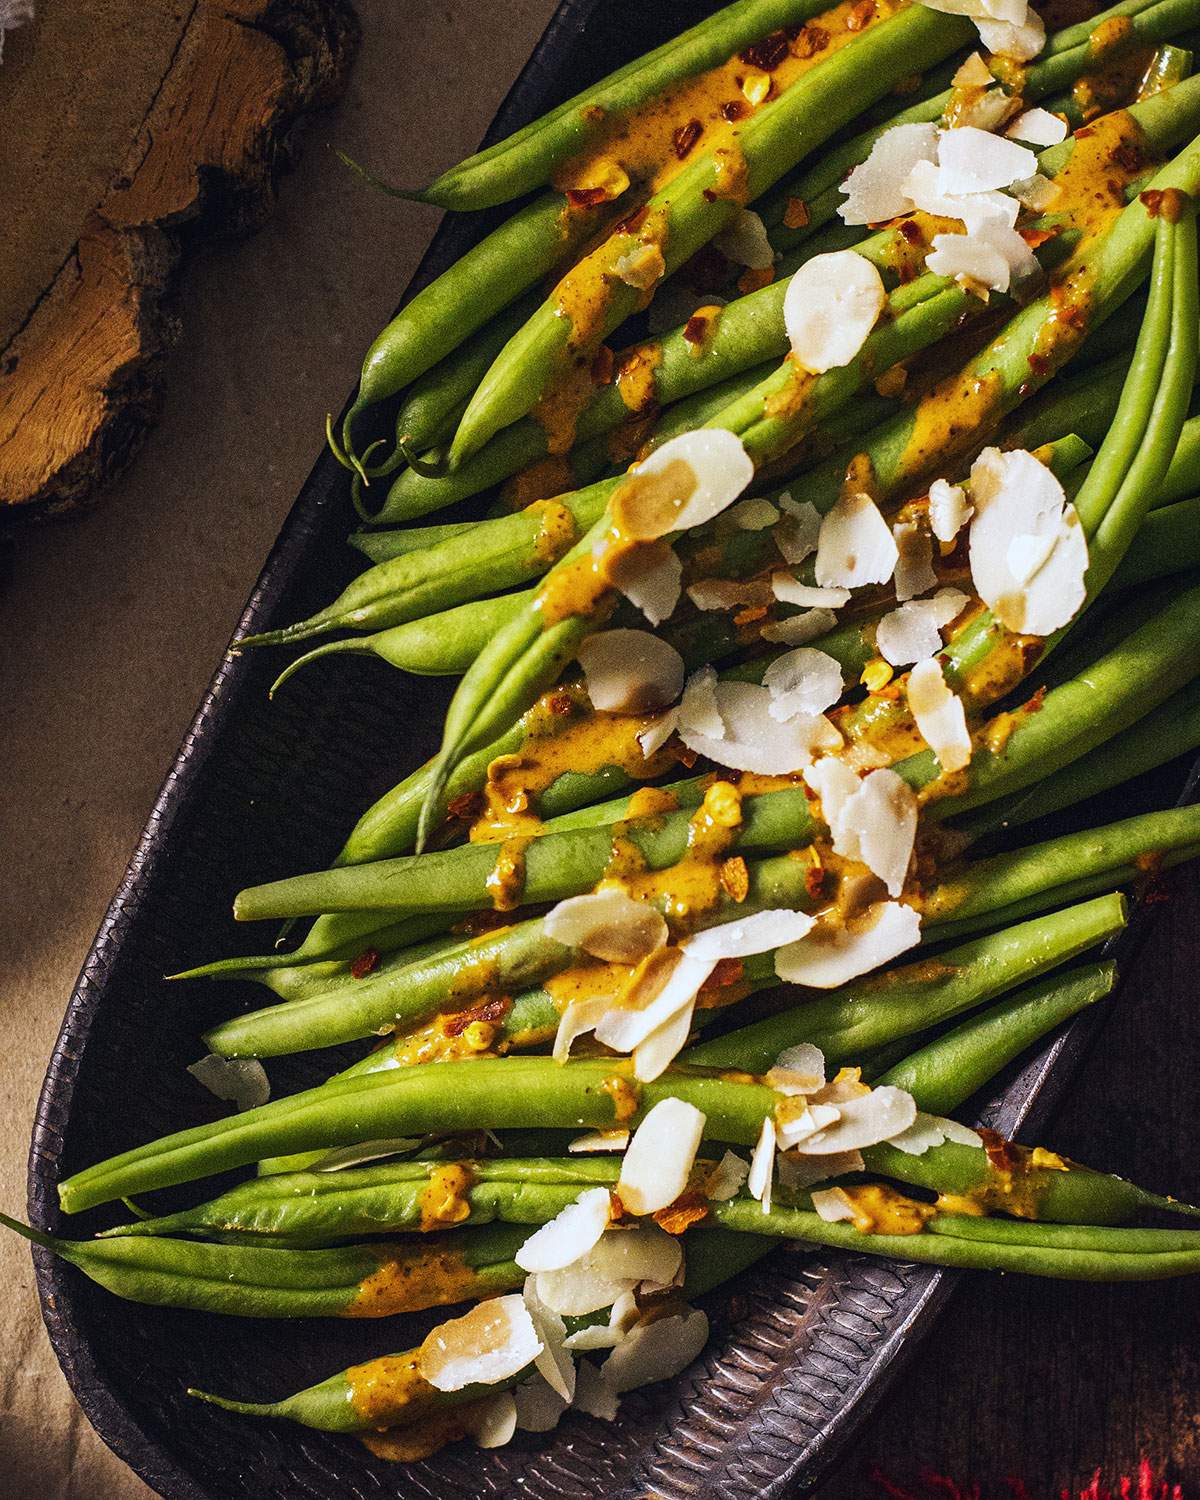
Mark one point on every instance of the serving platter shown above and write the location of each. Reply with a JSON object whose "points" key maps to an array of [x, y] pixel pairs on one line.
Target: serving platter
{"points": [[803, 1344]]}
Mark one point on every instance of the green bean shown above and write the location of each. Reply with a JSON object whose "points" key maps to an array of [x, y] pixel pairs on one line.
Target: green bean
{"points": [[1170, 730], [505, 961], [396, 1397], [510, 1093], [1067, 55], [872, 1011], [694, 206], [251, 1281], [529, 157]]}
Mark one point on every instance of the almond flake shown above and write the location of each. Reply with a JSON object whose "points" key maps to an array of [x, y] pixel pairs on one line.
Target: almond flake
{"points": [[975, 161], [658, 732], [599, 1140], [700, 711], [725, 594], [832, 1205], [762, 1165], [720, 469], [976, 210], [856, 546], [744, 241], [238, 1080], [752, 740], [1038, 127], [826, 959], [1018, 500], [796, 533], [621, 1317], [927, 1131], [1036, 193], [554, 1363], [592, 1396], [492, 1342], [831, 305], [655, 1053], [746, 936], [656, 992], [726, 1178], [609, 924], [796, 630], [493, 1421], [939, 715], [878, 825], [835, 783], [913, 632], [914, 570], [789, 590], [651, 583], [803, 681], [655, 1351], [794, 1129], [948, 509], [538, 1406], [659, 1160], [617, 1263], [973, 74], [799, 1172], [797, 1070], [875, 189], [630, 671], [875, 1116], [1021, 42], [571, 1233]]}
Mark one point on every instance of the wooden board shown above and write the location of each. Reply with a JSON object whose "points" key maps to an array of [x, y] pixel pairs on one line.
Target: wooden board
{"points": [[130, 133]]}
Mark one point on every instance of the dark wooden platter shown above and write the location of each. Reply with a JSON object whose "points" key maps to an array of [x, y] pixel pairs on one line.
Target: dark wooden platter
{"points": [[803, 1344]]}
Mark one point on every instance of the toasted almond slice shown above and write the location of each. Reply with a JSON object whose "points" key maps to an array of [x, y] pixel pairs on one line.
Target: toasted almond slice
{"points": [[726, 1178], [658, 732], [932, 1130], [912, 632], [656, 1351], [492, 1422], [620, 1261], [658, 990], [939, 715], [755, 514], [1036, 193], [599, 1140], [831, 305], [793, 1129], [621, 1318], [803, 681], [651, 582], [856, 545], [592, 1396], [948, 509], [608, 924], [762, 1165], [975, 161], [700, 710], [655, 1053], [798, 1172], [835, 783], [492, 1342], [796, 630], [571, 1233], [744, 241], [755, 741], [630, 671], [832, 1205], [914, 570], [1014, 11], [824, 960], [554, 1363], [538, 1405], [975, 210], [1020, 42], [797, 1070], [746, 936], [875, 1116], [1038, 127], [725, 594], [875, 189], [797, 531], [580, 1017], [789, 590], [717, 467], [660, 1156], [973, 74], [879, 822], [239, 1080]]}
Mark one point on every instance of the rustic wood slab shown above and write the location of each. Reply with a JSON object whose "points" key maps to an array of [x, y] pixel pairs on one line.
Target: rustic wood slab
{"points": [[128, 133]]}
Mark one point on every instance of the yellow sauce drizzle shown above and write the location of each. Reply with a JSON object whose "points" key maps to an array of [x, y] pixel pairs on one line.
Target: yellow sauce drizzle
{"points": [[408, 1281], [444, 1199]]}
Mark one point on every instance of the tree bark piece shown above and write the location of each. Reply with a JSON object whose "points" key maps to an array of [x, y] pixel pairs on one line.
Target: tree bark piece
{"points": [[80, 378]]}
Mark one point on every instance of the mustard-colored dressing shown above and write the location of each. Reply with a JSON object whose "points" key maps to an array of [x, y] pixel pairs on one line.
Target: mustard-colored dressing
{"points": [[408, 1281]]}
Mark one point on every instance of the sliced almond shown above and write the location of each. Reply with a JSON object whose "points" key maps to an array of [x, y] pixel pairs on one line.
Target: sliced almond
{"points": [[1038, 127], [658, 732], [620, 1261], [875, 1116], [652, 581], [492, 1342], [726, 1178], [609, 924], [856, 545], [659, 1160], [928, 1131], [239, 1080], [939, 715], [878, 825], [630, 671], [1020, 42], [797, 1070], [713, 469], [831, 305], [832, 1205], [788, 590], [656, 1351], [797, 630], [753, 740], [744, 241], [725, 594], [492, 1422], [592, 1396], [658, 990], [655, 1053], [762, 1165], [975, 161], [538, 1405], [914, 569], [803, 681], [797, 531], [748, 935], [571, 1233], [755, 514], [599, 1140], [875, 189], [826, 959], [948, 509]]}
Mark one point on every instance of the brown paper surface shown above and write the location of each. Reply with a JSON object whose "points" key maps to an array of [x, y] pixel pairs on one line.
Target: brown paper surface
{"points": [[110, 626]]}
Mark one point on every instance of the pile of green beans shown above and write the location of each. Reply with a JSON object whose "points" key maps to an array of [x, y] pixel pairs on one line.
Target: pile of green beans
{"points": [[412, 1175]]}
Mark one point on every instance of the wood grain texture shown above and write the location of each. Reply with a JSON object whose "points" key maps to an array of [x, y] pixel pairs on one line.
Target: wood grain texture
{"points": [[81, 374], [1054, 1381]]}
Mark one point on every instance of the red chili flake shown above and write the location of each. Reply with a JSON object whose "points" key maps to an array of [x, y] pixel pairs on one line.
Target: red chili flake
{"points": [[688, 1209], [709, 196], [862, 15], [560, 704], [491, 1010], [1034, 704], [586, 197], [602, 366], [911, 231], [1129, 156], [1039, 364], [814, 882], [467, 806], [734, 110], [366, 963], [1000, 1153], [633, 222], [811, 40], [695, 330], [906, 273], [728, 971], [768, 53], [685, 137]]}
